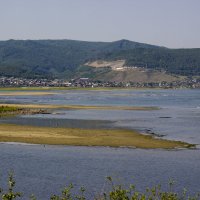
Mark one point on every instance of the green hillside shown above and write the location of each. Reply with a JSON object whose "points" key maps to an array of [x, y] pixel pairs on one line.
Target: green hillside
{"points": [[65, 58], [176, 61]]}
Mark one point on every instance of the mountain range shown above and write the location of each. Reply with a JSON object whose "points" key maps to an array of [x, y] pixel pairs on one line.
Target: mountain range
{"points": [[69, 59]]}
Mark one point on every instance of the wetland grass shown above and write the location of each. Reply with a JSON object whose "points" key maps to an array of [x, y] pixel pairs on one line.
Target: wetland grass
{"points": [[8, 110]]}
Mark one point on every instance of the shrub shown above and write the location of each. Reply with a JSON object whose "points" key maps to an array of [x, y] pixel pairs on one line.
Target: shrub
{"points": [[117, 192]]}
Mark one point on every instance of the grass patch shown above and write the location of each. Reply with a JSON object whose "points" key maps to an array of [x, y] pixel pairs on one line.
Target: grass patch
{"points": [[4, 109], [84, 137], [9, 110]]}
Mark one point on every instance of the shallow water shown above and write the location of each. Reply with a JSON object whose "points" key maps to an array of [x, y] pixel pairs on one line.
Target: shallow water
{"points": [[64, 123], [184, 97], [177, 119], [49, 168]]}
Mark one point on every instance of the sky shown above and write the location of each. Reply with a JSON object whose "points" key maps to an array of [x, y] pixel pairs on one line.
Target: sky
{"points": [[170, 23]]}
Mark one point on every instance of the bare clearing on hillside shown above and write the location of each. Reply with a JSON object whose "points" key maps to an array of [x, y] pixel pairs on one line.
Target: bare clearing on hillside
{"points": [[117, 65], [122, 73]]}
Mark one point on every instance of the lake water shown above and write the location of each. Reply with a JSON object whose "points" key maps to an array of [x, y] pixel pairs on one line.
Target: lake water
{"points": [[47, 169]]}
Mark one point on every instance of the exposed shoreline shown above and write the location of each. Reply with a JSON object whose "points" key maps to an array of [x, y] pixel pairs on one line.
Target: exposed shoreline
{"points": [[77, 136], [24, 93], [80, 107], [13, 89], [85, 137]]}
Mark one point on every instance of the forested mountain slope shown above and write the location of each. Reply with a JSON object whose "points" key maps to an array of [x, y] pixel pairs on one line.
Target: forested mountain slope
{"points": [[66, 58]]}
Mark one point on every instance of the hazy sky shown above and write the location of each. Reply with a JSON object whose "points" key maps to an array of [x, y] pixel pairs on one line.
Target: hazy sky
{"points": [[171, 23]]}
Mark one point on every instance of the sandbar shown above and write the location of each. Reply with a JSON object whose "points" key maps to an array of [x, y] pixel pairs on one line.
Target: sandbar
{"points": [[84, 137], [79, 107], [25, 93]]}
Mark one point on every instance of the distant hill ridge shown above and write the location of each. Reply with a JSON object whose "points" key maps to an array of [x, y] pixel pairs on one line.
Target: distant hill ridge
{"points": [[67, 58]]}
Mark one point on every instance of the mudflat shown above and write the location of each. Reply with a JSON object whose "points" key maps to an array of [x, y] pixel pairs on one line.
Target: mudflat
{"points": [[90, 107], [84, 137]]}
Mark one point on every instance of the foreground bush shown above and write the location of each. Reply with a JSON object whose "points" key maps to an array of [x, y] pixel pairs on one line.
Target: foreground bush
{"points": [[117, 192], [10, 194]]}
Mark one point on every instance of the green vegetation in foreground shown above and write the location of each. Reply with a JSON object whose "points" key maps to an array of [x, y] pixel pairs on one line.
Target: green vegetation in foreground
{"points": [[85, 137], [115, 192]]}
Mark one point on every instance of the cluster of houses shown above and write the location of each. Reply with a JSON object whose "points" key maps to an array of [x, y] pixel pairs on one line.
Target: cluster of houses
{"points": [[86, 82], [23, 82]]}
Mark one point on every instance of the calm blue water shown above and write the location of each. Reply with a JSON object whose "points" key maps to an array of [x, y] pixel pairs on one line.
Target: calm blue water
{"points": [[42, 170], [185, 97], [177, 119]]}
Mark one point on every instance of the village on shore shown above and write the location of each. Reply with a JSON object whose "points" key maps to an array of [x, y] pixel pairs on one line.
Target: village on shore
{"points": [[89, 83]]}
